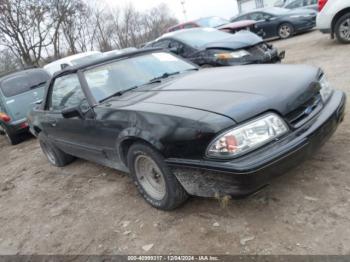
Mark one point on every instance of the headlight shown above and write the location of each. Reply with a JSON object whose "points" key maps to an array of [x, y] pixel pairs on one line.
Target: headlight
{"points": [[247, 137], [326, 89], [232, 55]]}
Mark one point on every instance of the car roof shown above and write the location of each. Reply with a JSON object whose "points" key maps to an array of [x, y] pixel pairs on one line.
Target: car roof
{"points": [[104, 59], [273, 10], [21, 73], [72, 57]]}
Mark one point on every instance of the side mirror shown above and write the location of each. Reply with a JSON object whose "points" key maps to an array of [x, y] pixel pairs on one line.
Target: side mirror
{"points": [[72, 112]]}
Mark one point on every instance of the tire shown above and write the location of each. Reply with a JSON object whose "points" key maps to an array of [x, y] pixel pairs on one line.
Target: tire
{"points": [[285, 30], [54, 155], [153, 179], [11, 138], [342, 29]]}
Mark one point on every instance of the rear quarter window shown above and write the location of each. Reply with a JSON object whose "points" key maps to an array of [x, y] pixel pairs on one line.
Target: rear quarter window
{"points": [[24, 82]]}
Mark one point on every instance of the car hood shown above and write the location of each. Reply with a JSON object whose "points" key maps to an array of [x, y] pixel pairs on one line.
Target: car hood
{"points": [[240, 92], [236, 41]]}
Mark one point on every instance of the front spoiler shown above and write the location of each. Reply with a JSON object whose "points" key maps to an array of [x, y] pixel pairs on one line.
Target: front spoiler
{"points": [[245, 175]]}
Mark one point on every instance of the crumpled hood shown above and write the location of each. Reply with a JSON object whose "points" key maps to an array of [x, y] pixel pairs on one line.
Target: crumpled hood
{"points": [[239, 40], [240, 92]]}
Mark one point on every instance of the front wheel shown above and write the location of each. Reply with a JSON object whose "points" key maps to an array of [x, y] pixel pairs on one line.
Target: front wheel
{"points": [[342, 29], [157, 185], [285, 31]]}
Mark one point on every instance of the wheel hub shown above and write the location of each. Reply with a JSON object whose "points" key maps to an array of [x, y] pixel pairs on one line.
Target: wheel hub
{"points": [[150, 177], [344, 29]]}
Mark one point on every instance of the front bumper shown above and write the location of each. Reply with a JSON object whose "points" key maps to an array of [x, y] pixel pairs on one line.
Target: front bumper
{"points": [[247, 174]]}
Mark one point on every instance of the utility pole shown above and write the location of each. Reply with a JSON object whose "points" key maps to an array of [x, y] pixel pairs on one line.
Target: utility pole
{"points": [[183, 2]]}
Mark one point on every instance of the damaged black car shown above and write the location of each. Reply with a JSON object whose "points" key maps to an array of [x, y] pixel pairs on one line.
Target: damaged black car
{"points": [[180, 130], [208, 47]]}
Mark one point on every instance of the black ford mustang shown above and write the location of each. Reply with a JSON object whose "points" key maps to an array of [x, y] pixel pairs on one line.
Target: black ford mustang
{"points": [[182, 131], [211, 47]]}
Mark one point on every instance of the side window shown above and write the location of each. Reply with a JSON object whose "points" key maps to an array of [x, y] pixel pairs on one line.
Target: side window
{"points": [[66, 92], [190, 25], [295, 4], [162, 44], [257, 16]]}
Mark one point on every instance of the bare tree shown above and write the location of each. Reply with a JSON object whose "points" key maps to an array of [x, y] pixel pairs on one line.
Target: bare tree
{"points": [[24, 28]]}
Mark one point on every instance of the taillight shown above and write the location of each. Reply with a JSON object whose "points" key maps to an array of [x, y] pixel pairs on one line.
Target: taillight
{"points": [[321, 4], [4, 117]]}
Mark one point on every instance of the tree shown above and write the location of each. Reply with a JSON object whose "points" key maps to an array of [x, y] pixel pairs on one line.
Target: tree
{"points": [[24, 28]]}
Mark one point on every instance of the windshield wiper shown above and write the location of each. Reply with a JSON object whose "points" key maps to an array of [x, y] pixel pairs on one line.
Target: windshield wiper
{"points": [[157, 79], [166, 75], [37, 85], [119, 93]]}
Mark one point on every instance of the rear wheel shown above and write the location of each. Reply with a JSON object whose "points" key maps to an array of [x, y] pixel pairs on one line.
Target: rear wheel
{"points": [[285, 30], [342, 29], [55, 156], [158, 186], [11, 138]]}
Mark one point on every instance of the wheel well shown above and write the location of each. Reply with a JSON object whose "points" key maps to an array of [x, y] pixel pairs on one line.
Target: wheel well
{"points": [[337, 16], [126, 144]]}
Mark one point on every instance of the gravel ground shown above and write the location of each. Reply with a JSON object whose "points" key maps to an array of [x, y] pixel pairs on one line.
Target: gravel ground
{"points": [[88, 209]]}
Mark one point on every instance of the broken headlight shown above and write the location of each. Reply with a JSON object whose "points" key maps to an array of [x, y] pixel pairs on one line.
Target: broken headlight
{"points": [[326, 89], [248, 137], [232, 55]]}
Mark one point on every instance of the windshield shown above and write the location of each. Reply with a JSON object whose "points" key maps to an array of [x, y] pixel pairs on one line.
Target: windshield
{"points": [[212, 22], [108, 79], [199, 37], [23, 82], [85, 59]]}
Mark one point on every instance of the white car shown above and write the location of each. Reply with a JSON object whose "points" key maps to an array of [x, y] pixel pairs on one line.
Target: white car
{"points": [[334, 19], [77, 59]]}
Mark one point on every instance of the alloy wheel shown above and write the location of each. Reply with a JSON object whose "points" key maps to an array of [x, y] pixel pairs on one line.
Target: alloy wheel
{"points": [[285, 31], [344, 29], [150, 177]]}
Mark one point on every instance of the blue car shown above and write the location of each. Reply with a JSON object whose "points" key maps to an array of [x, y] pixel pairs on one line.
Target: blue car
{"points": [[19, 92]]}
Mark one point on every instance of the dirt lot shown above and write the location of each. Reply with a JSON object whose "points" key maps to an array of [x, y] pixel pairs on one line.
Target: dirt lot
{"points": [[88, 209]]}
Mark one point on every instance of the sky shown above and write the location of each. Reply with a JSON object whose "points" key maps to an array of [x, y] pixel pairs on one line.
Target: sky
{"points": [[194, 8]]}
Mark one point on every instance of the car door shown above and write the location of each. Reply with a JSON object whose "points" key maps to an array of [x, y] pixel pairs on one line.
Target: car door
{"points": [[265, 26], [72, 135]]}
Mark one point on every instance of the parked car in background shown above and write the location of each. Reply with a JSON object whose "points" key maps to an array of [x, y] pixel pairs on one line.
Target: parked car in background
{"points": [[182, 131], [119, 51], [293, 4], [334, 19], [280, 22], [77, 59], [19, 92], [215, 22], [210, 47]]}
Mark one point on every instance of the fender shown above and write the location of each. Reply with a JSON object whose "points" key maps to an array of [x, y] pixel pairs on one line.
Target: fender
{"points": [[132, 134]]}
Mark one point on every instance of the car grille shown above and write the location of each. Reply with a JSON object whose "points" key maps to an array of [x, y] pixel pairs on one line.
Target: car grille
{"points": [[305, 112]]}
